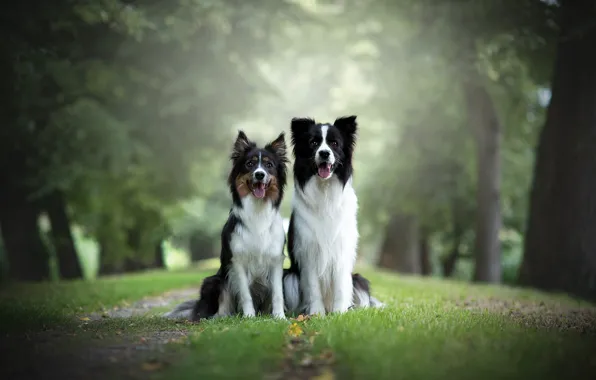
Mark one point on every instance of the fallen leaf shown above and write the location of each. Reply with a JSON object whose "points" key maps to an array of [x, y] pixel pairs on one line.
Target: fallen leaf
{"points": [[295, 330], [328, 356], [85, 318], [302, 318], [326, 374]]}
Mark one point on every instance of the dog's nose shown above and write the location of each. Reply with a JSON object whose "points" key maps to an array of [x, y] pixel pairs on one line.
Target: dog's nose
{"points": [[259, 176], [324, 154]]}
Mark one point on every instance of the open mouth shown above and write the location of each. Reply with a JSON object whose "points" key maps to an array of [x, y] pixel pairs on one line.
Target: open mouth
{"points": [[324, 170], [259, 189]]}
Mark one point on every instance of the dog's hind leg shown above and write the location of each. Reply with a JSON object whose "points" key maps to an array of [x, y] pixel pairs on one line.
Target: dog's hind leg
{"points": [[209, 299], [226, 304]]}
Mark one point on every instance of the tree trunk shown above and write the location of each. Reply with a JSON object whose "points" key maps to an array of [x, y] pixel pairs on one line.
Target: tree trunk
{"points": [[134, 263], [201, 247], [401, 248], [28, 257], [425, 264], [159, 261], [560, 243], [482, 117], [450, 260], [106, 267], [68, 259]]}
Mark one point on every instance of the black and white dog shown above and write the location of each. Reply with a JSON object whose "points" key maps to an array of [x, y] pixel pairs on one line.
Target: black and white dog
{"points": [[323, 231], [249, 280]]}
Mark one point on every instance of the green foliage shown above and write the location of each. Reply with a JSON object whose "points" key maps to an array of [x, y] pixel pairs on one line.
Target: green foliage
{"points": [[423, 161], [124, 105], [131, 108]]}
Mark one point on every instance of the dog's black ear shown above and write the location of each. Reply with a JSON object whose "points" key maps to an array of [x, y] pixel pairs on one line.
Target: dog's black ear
{"points": [[241, 145], [300, 126], [346, 124], [278, 146]]}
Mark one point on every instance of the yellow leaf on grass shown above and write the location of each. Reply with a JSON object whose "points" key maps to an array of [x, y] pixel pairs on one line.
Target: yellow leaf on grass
{"points": [[326, 374], [295, 330], [85, 319]]}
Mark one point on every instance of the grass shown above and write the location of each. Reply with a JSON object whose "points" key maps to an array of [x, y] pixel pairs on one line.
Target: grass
{"points": [[33, 306], [431, 329]]}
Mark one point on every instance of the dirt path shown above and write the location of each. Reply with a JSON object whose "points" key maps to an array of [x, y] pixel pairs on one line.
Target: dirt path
{"points": [[61, 353], [142, 307]]}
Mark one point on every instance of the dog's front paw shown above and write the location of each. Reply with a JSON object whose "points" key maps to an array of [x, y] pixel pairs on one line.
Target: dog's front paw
{"points": [[316, 309], [340, 309], [279, 315], [249, 312]]}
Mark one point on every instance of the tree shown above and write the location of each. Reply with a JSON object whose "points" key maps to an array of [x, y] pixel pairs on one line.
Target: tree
{"points": [[100, 118], [401, 248], [487, 130], [560, 244]]}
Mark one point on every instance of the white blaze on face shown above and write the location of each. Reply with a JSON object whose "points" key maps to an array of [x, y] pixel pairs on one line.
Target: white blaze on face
{"points": [[324, 164], [260, 179]]}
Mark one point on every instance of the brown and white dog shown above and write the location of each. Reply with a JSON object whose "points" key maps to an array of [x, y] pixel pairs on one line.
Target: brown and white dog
{"points": [[249, 280]]}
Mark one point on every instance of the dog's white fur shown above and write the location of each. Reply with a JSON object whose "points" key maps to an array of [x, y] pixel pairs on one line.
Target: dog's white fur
{"points": [[257, 246], [325, 214]]}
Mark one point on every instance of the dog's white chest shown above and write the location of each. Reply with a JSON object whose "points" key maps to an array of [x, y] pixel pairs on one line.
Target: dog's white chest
{"points": [[257, 242], [325, 221]]}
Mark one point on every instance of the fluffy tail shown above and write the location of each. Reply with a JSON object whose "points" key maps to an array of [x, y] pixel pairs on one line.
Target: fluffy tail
{"points": [[362, 296], [205, 307], [292, 297], [182, 311]]}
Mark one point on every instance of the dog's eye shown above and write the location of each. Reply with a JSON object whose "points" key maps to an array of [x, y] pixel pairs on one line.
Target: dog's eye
{"points": [[333, 143], [269, 165], [249, 164], [314, 143]]}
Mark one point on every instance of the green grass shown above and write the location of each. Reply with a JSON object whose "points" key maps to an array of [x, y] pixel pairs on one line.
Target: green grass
{"points": [[34, 306], [431, 329]]}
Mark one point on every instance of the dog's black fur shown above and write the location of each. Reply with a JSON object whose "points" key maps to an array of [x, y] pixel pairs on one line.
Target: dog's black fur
{"points": [[212, 287], [306, 138]]}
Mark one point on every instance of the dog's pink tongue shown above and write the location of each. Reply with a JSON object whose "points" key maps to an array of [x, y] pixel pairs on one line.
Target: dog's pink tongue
{"points": [[259, 190], [325, 171]]}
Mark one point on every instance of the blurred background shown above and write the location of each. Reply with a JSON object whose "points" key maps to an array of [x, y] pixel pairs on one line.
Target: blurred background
{"points": [[120, 115]]}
